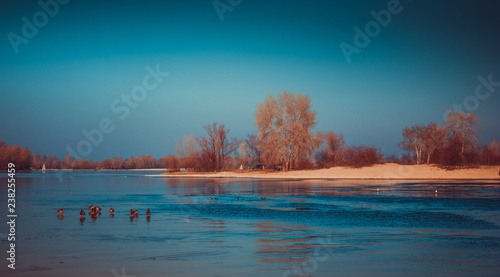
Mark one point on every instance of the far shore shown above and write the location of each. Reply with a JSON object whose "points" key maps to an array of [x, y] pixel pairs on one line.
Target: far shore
{"points": [[385, 171]]}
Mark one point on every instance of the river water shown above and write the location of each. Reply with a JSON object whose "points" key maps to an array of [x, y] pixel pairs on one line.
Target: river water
{"points": [[301, 228]]}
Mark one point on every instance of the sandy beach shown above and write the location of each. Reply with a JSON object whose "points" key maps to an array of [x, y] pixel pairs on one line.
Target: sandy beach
{"points": [[385, 171]]}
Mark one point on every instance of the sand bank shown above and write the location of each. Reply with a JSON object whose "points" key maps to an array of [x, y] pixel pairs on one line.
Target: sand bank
{"points": [[385, 171]]}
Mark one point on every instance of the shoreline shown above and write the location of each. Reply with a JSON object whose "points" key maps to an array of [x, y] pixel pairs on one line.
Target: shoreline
{"points": [[376, 172]]}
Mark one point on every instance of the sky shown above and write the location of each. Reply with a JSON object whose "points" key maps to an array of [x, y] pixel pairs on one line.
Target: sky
{"points": [[136, 76]]}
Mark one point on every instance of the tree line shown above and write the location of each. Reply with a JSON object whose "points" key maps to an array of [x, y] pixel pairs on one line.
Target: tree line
{"points": [[285, 141], [24, 160], [453, 145]]}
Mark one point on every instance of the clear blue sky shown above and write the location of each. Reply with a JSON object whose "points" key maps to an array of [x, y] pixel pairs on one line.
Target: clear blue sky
{"points": [[90, 53]]}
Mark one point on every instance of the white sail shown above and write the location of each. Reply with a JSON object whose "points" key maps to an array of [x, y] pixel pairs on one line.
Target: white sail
{"points": [[43, 168]]}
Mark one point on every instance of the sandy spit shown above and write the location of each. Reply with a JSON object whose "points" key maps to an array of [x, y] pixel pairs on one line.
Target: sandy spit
{"points": [[385, 171]]}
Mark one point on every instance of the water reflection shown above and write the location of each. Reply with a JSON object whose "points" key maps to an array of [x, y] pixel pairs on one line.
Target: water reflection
{"points": [[263, 187], [133, 218]]}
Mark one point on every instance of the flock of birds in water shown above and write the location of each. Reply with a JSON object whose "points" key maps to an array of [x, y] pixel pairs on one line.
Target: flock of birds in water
{"points": [[95, 211]]}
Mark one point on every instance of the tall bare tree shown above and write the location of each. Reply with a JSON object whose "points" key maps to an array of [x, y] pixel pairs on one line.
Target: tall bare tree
{"points": [[217, 146], [189, 152], [285, 125], [463, 125], [433, 136], [413, 140]]}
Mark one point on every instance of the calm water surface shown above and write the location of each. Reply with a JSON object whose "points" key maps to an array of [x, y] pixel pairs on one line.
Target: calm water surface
{"points": [[303, 228]]}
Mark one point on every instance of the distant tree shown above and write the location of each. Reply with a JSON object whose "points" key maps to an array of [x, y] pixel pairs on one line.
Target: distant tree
{"points": [[116, 163], [36, 163], [208, 160], [163, 162], [55, 163], [138, 162], [490, 155], [452, 153], [285, 125], [254, 151], [4, 155], [334, 142], [149, 161], [189, 152], [330, 154], [21, 157], [360, 156], [84, 164], [67, 162], [433, 136], [463, 126], [128, 163], [106, 164], [413, 140], [217, 146], [173, 163]]}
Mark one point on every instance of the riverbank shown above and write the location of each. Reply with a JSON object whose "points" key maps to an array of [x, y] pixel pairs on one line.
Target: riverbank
{"points": [[385, 171]]}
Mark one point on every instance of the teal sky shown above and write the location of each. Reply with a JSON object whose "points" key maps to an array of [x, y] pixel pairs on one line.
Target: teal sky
{"points": [[66, 77]]}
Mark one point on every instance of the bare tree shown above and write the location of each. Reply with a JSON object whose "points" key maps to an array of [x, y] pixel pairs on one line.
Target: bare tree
{"points": [[189, 152], [116, 162], [173, 163], [169, 162], [334, 143], [21, 157], [463, 125], [254, 151], [36, 163], [285, 125], [217, 146], [67, 163], [55, 162], [413, 140], [362, 155], [433, 136]]}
